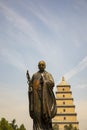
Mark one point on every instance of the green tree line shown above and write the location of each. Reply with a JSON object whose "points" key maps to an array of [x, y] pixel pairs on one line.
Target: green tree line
{"points": [[5, 125], [66, 127]]}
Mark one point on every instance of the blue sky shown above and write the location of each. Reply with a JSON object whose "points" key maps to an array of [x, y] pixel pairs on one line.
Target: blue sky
{"points": [[51, 30]]}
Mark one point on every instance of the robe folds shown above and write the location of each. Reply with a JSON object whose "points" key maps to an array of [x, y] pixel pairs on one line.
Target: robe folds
{"points": [[42, 103]]}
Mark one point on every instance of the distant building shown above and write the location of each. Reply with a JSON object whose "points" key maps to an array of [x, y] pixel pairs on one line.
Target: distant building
{"points": [[65, 108]]}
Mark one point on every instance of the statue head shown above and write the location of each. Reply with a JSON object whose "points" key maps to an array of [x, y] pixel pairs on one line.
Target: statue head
{"points": [[42, 65]]}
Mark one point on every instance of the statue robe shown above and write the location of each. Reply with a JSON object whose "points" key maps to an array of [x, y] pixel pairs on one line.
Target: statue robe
{"points": [[42, 103]]}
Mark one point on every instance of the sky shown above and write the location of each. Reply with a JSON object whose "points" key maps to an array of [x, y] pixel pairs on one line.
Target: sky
{"points": [[51, 30]]}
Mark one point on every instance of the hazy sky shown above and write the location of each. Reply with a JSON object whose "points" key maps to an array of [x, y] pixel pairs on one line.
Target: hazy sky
{"points": [[34, 30]]}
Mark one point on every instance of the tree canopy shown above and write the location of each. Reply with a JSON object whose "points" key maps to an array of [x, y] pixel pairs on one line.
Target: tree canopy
{"points": [[70, 127], [5, 125]]}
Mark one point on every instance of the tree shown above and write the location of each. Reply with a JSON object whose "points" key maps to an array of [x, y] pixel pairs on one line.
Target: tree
{"points": [[70, 127], [22, 127], [75, 128], [4, 125], [13, 124], [55, 127]]}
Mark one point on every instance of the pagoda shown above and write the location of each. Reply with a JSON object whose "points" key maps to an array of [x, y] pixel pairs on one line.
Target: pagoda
{"points": [[66, 114]]}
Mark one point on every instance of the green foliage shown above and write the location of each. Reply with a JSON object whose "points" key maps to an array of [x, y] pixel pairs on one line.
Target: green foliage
{"points": [[5, 125], [75, 128], [55, 127], [13, 124], [22, 127], [70, 127]]}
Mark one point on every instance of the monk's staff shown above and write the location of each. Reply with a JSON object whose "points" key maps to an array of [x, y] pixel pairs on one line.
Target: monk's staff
{"points": [[30, 94]]}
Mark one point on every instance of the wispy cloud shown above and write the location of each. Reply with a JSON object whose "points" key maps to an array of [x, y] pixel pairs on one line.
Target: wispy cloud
{"points": [[64, 25], [29, 30], [82, 86], [14, 58], [21, 23], [47, 17], [78, 68], [16, 19]]}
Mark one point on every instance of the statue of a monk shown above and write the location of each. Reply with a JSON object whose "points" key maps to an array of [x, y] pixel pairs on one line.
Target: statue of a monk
{"points": [[42, 103]]}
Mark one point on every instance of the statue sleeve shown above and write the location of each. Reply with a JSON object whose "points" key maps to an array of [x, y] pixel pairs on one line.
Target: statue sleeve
{"points": [[49, 80]]}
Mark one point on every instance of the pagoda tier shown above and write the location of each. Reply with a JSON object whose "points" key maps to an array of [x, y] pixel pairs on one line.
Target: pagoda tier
{"points": [[65, 108]]}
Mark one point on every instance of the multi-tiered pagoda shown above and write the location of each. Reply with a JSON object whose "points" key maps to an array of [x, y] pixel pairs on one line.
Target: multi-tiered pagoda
{"points": [[66, 114]]}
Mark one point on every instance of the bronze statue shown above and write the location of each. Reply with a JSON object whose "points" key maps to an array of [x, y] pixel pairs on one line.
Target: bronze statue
{"points": [[42, 103]]}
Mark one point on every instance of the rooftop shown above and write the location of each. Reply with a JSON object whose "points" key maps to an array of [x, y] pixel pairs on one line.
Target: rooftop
{"points": [[63, 82]]}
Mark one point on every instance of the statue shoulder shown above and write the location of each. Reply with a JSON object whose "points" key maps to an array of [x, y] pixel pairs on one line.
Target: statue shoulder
{"points": [[35, 74], [47, 73]]}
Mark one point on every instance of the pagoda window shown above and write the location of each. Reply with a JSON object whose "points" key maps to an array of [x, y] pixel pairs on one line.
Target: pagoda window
{"points": [[63, 95], [63, 89], [63, 102], [64, 110], [64, 118]]}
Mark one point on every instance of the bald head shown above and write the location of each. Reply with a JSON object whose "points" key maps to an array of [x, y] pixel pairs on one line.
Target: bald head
{"points": [[42, 65]]}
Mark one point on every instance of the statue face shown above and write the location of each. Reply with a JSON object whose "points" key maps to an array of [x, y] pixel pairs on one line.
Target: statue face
{"points": [[41, 65]]}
